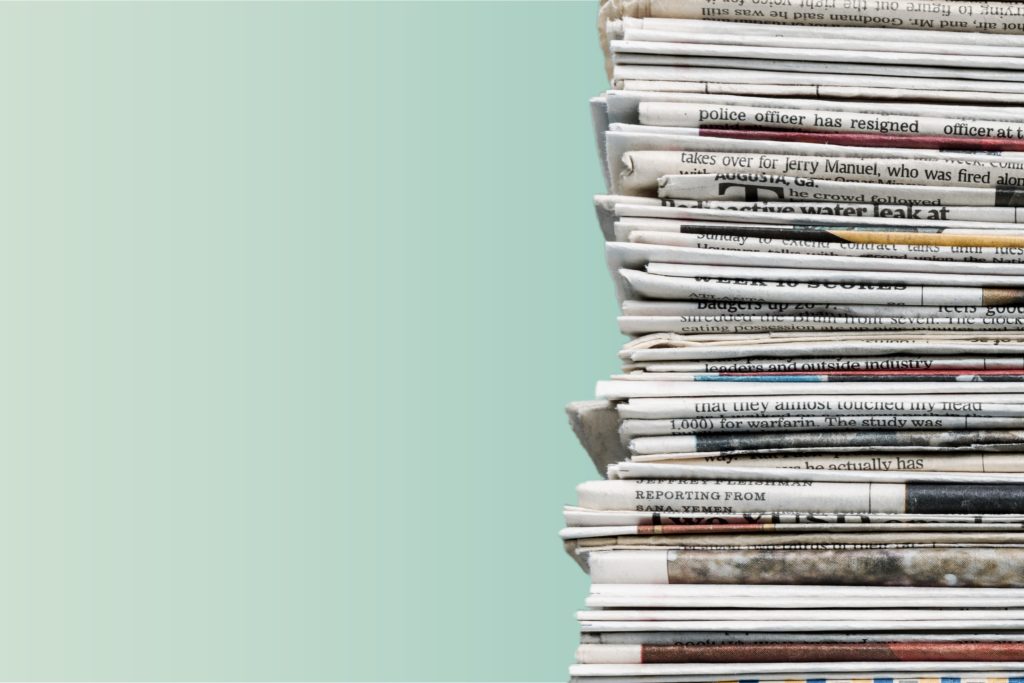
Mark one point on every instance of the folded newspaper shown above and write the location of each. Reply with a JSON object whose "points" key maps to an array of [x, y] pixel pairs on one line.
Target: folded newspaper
{"points": [[812, 459]]}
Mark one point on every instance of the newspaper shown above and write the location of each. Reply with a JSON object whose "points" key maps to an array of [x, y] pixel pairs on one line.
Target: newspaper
{"points": [[669, 259], [805, 596], [775, 543], [682, 468], [620, 138], [706, 56], [920, 240], [707, 595], [802, 88], [636, 325], [706, 638], [761, 668], [814, 82], [625, 107], [646, 373], [674, 347], [923, 214], [832, 364], [617, 390], [809, 625], [879, 43], [1009, 148], [710, 444], [583, 517], [728, 496], [649, 375], [976, 18], [595, 424], [922, 243], [632, 308], [951, 40], [643, 169], [932, 463], [630, 428], [686, 219], [904, 63], [946, 567], [696, 115], [948, 677], [989, 342], [969, 18], [673, 260], [772, 187], [847, 210], [811, 287], [623, 139], [815, 238], [798, 614], [715, 239], [795, 652], [680, 532]]}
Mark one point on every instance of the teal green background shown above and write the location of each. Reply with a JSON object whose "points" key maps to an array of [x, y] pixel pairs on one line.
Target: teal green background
{"points": [[292, 297]]}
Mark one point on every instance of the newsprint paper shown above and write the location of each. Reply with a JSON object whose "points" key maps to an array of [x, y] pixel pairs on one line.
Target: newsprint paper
{"points": [[809, 464]]}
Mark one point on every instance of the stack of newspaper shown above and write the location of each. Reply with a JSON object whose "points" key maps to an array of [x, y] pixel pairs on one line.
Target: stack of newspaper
{"points": [[814, 453]]}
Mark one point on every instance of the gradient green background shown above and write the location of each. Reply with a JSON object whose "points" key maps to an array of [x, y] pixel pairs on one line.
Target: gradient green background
{"points": [[292, 297]]}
